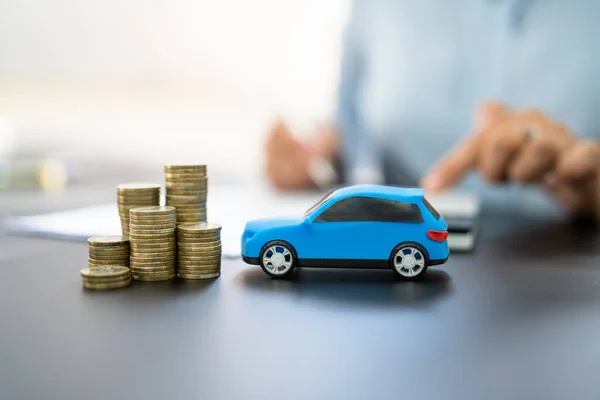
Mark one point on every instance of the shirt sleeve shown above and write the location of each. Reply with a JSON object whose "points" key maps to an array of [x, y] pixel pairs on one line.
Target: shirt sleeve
{"points": [[360, 158]]}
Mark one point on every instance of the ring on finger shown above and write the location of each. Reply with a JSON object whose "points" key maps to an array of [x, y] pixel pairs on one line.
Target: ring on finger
{"points": [[530, 132]]}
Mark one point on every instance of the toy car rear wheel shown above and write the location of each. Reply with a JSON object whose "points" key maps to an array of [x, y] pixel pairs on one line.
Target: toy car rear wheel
{"points": [[278, 259], [409, 260]]}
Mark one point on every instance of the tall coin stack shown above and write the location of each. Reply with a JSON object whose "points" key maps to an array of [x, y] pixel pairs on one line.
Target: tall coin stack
{"points": [[187, 189], [106, 277], [133, 195], [199, 251], [153, 243], [108, 250]]}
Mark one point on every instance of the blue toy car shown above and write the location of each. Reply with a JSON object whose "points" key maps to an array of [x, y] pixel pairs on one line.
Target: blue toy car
{"points": [[361, 226]]}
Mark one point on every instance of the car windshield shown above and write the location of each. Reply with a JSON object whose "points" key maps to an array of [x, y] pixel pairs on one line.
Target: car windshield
{"points": [[318, 203]]}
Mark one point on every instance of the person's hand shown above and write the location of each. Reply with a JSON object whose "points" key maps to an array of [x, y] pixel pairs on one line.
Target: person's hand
{"points": [[527, 147], [288, 161]]}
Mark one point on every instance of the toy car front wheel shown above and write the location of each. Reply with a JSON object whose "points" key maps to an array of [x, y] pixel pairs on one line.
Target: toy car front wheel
{"points": [[278, 259], [409, 260]]}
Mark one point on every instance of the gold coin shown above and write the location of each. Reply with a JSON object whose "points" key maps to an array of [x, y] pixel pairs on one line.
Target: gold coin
{"points": [[155, 269], [195, 248], [120, 258], [133, 236], [96, 259], [188, 202], [203, 228], [148, 220], [199, 253], [124, 209], [178, 167], [138, 250], [106, 286], [108, 241], [114, 253], [197, 196], [154, 278], [198, 268], [116, 246], [108, 279], [176, 191], [129, 197], [203, 240], [158, 246], [141, 257], [199, 260], [188, 265], [186, 177], [200, 183], [107, 263], [198, 205], [192, 219], [150, 263], [151, 230], [138, 186], [138, 197], [189, 215], [184, 263], [199, 234], [147, 258], [199, 276], [113, 271], [189, 185], [156, 210], [126, 205], [153, 221], [153, 241]]}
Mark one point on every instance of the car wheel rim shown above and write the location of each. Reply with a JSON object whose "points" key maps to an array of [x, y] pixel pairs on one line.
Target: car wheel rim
{"points": [[409, 261], [277, 259]]}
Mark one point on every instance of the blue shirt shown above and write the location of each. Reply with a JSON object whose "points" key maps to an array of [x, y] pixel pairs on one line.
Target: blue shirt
{"points": [[415, 71]]}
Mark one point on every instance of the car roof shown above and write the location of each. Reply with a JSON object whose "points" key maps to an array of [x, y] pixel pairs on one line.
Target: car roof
{"points": [[379, 191]]}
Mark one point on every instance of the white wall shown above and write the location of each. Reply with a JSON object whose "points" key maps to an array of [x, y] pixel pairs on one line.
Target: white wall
{"points": [[73, 70]]}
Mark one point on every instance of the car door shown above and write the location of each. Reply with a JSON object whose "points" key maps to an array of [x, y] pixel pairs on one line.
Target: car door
{"points": [[341, 231]]}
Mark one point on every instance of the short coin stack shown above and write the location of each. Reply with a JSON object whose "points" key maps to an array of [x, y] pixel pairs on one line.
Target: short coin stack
{"points": [[133, 195], [187, 189], [199, 251], [153, 243], [108, 250], [106, 277]]}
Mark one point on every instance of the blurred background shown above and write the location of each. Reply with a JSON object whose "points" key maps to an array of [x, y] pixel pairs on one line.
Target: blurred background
{"points": [[141, 83]]}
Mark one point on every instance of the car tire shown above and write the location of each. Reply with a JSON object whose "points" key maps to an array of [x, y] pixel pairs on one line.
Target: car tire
{"points": [[409, 260], [285, 262]]}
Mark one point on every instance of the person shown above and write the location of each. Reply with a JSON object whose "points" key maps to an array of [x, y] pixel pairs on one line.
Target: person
{"points": [[497, 96]]}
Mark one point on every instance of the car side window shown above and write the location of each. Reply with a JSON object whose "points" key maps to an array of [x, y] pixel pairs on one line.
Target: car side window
{"points": [[360, 208]]}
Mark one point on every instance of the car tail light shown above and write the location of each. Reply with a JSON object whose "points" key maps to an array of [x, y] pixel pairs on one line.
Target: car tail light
{"points": [[438, 236]]}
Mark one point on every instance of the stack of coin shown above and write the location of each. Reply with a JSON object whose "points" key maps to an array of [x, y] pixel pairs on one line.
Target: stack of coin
{"points": [[108, 250], [132, 195], [199, 251], [106, 277], [153, 243], [187, 188]]}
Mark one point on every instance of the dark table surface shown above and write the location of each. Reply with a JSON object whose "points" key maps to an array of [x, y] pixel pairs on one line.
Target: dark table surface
{"points": [[519, 318]]}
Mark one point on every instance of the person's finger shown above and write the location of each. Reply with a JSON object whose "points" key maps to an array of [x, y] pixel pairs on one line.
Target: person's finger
{"points": [[489, 114], [452, 166], [499, 145], [581, 162], [535, 160]]}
